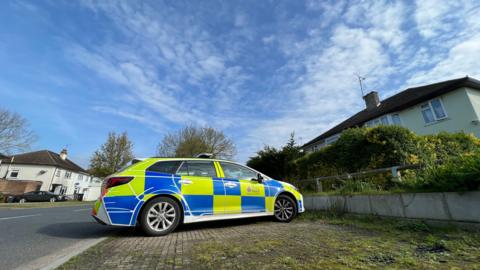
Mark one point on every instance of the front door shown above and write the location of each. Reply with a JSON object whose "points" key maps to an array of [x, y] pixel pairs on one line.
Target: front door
{"points": [[243, 193], [201, 188]]}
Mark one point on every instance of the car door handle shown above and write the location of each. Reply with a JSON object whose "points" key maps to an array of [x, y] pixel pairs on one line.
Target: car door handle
{"points": [[185, 182], [230, 185]]}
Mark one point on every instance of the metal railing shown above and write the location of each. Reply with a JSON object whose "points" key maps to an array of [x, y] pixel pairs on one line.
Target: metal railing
{"points": [[394, 170]]}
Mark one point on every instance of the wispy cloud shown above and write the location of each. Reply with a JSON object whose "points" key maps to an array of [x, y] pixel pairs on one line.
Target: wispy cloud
{"points": [[258, 70]]}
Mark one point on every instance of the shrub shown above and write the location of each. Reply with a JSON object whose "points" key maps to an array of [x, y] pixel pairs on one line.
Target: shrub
{"points": [[360, 149], [460, 173]]}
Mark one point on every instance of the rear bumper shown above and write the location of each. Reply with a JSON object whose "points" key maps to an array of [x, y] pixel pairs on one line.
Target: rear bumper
{"points": [[100, 214], [98, 220]]}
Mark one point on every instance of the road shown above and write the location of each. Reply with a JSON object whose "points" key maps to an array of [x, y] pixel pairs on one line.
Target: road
{"points": [[29, 234]]}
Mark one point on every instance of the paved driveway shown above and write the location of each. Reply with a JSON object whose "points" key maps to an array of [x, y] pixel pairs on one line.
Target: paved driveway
{"points": [[302, 244], [29, 234]]}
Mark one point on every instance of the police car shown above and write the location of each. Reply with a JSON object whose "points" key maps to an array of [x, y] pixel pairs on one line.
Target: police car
{"points": [[160, 193]]}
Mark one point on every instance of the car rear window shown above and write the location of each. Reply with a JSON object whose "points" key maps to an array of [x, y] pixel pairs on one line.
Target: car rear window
{"points": [[169, 167]]}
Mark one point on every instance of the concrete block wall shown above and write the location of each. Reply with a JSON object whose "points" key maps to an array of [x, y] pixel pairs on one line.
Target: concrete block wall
{"points": [[443, 206]]}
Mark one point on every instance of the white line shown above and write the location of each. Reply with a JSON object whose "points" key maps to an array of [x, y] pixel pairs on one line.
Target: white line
{"points": [[5, 218], [60, 257], [78, 210]]}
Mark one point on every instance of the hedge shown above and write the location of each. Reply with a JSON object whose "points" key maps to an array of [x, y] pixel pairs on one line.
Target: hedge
{"points": [[360, 149]]}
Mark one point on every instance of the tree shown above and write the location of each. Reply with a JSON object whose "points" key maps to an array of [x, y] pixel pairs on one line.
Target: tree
{"points": [[15, 134], [192, 140], [114, 154], [277, 163]]}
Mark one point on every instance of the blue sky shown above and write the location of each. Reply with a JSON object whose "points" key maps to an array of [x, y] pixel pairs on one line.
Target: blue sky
{"points": [[256, 69]]}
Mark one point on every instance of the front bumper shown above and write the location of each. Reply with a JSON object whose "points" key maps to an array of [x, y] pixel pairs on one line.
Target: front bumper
{"points": [[301, 207]]}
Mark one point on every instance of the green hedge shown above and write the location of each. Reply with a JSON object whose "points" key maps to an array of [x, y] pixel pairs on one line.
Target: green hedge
{"points": [[360, 149]]}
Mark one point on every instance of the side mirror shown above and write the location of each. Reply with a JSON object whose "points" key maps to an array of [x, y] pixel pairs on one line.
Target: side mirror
{"points": [[259, 178]]}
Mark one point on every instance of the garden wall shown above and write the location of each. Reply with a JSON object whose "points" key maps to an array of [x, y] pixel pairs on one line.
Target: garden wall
{"points": [[442, 206]]}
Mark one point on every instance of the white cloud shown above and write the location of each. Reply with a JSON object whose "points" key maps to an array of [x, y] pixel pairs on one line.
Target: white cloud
{"points": [[173, 66]]}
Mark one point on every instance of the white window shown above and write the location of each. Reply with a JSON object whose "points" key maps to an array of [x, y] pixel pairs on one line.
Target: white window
{"points": [[68, 174], [433, 111], [384, 120], [438, 109], [14, 174], [58, 173], [332, 139], [80, 177], [396, 119]]}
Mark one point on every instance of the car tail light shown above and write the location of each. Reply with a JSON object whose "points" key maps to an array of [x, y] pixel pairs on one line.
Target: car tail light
{"points": [[115, 181]]}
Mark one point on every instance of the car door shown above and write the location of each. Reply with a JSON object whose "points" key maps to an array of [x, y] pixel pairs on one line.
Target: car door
{"points": [[201, 188], [244, 194]]}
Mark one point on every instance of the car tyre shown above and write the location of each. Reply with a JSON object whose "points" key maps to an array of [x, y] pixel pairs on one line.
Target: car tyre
{"points": [[285, 208], [160, 216]]}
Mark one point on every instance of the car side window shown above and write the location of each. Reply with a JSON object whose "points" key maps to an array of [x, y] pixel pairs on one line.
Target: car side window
{"points": [[198, 168], [234, 171], [169, 167]]}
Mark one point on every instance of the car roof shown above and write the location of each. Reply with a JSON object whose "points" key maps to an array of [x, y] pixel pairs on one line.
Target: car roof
{"points": [[184, 159]]}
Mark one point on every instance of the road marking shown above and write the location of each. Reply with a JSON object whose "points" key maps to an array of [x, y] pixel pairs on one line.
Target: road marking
{"points": [[5, 218], [78, 210]]}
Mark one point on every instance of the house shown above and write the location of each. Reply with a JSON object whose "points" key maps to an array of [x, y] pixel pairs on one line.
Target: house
{"points": [[55, 171], [451, 106]]}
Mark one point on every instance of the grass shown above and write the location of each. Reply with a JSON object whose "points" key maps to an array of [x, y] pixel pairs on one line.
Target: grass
{"points": [[347, 243], [42, 204]]}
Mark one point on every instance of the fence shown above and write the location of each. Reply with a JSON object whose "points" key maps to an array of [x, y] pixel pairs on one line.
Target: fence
{"points": [[394, 170]]}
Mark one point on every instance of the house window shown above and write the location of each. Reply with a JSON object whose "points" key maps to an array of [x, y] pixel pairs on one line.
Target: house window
{"points": [[80, 177], [384, 120], [14, 173], [433, 111], [57, 174], [396, 119], [68, 174], [332, 139], [438, 109]]}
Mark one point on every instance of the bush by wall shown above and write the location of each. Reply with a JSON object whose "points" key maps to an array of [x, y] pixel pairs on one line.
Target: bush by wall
{"points": [[446, 156]]}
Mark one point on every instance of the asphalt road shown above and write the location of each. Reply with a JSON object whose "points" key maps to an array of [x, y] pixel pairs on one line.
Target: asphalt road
{"points": [[29, 234]]}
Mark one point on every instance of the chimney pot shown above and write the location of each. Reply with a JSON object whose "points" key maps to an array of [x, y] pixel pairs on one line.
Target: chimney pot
{"points": [[372, 100], [63, 154]]}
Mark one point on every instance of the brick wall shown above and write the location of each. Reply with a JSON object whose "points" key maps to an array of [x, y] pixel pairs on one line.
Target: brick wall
{"points": [[18, 186]]}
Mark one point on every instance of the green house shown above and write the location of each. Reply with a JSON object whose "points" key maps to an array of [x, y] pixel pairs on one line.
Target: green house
{"points": [[451, 106]]}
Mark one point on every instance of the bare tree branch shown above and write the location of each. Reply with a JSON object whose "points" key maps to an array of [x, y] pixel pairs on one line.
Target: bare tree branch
{"points": [[191, 141], [15, 135]]}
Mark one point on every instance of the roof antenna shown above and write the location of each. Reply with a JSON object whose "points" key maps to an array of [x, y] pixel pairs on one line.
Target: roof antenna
{"points": [[361, 80]]}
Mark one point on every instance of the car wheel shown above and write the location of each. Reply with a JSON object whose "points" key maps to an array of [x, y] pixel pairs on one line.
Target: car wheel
{"points": [[52, 200], [22, 200], [160, 216], [285, 209]]}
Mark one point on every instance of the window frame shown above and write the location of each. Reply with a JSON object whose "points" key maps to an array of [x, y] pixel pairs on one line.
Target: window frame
{"points": [[197, 161], [265, 177], [180, 163], [240, 166], [428, 106]]}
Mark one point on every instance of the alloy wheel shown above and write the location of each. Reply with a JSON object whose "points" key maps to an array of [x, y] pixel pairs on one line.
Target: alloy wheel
{"points": [[284, 209], [161, 216]]}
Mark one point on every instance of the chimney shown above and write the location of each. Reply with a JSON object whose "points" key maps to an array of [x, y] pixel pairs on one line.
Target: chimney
{"points": [[63, 154], [372, 100]]}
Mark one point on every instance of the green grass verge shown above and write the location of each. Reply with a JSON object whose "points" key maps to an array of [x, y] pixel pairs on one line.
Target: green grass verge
{"points": [[347, 243]]}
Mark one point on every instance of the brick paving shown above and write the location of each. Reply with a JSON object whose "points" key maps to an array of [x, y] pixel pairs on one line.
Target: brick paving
{"points": [[131, 249]]}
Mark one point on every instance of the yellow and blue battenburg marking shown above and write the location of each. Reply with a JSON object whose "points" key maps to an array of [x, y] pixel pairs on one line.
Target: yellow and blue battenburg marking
{"points": [[199, 196]]}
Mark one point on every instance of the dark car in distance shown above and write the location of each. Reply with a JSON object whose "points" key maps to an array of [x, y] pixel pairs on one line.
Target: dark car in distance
{"points": [[36, 196]]}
